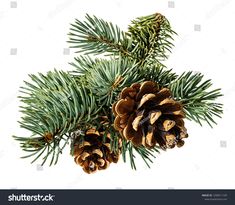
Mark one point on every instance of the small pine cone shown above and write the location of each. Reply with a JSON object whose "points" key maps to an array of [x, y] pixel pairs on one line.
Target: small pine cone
{"points": [[93, 154], [147, 115]]}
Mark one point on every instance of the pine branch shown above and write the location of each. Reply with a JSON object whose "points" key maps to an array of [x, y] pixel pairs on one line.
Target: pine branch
{"points": [[148, 39], [158, 73], [38, 147], [83, 64], [151, 37], [106, 78], [146, 154], [197, 97], [54, 104], [96, 36]]}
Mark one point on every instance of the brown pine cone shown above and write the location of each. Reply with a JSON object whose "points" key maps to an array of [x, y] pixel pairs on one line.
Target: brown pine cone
{"points": [[147, 115], [93, 154]]}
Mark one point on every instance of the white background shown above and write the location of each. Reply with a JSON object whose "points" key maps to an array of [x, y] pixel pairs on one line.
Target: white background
{"points": [[33, 39]]}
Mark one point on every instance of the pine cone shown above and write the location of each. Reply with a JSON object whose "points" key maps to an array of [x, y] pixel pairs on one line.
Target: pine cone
{"points": [[93, 154], [147, 115]]}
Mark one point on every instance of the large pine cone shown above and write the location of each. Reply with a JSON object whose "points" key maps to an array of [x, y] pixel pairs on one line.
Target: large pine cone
{"points": [[93, 154], [147, 115]]}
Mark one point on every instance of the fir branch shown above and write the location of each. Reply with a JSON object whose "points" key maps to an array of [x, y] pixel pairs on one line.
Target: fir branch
{"points": [[147, 155], [96, 36], [54, 104], [197, 97], [38, 147], [83, 64], [108, 77], [148, 39], [157, 73], [152, 38]]}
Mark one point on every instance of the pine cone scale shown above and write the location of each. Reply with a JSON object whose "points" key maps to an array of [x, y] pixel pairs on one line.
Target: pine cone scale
{"points": [[128, 92], [154, 115], [146, 88], [149, 140], [98, 152], [162, 94], [124, 106], [166, 125], [129, 132], [137, 120], [145, 99]]}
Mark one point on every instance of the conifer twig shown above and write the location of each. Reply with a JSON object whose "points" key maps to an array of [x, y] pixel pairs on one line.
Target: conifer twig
{"points": [[197, 97]]}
